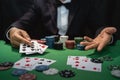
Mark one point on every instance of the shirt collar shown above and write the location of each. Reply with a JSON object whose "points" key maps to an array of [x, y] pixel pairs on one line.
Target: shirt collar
{"points": [[65, 1]]}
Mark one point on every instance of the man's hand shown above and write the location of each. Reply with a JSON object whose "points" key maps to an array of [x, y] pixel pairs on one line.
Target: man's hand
{"points": [[101, 40], [18, 36]]}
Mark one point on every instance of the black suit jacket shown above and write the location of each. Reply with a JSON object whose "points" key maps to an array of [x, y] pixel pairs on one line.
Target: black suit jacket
{"points": [[10, 11], [84, 18]]}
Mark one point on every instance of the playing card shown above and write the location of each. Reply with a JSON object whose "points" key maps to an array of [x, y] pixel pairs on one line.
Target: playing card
{"points": [[43, 61], [72, 59], [26, 63], [24, 48], [35, 48], [41, 48], [86, 64]]}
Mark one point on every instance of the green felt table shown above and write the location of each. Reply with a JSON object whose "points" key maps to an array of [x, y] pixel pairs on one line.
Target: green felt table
{"points": [[7, 53]]}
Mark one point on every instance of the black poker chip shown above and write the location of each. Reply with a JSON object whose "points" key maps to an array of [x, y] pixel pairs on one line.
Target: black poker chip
{"points": [[106, 58], [6, 64], [114, 67], [67, 73], [58, 45], [96, 60]]}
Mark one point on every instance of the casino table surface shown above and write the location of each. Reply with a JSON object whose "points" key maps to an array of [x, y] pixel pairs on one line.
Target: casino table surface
{"points": [[8, 53]]}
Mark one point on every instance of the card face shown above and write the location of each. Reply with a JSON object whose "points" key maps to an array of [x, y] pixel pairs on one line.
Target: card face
{"points": [[29, 63], [44, 61], [26, 63], [41, 48], [83, 63], [24, 48], [72, 59], [90, 66], [35, 48]]}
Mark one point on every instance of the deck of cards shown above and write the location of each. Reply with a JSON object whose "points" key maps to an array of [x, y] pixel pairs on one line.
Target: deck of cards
{"points": [[83, 63], [35, 48], [29, 63]]}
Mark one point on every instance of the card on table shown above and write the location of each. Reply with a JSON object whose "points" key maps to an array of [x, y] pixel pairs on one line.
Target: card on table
{"points": [[83, 63], [29, 63], [90, 66], [26, 63]]}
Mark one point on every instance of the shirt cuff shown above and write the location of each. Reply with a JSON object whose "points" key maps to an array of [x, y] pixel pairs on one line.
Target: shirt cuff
{"points": [[7, 34]]}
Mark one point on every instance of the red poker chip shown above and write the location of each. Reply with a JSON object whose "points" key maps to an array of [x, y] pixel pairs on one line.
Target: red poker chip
{"points": [[27, 76], [41, 41], [70, 44]]}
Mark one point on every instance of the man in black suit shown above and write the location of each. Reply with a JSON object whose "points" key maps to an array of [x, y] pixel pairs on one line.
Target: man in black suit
{"points": [[42, 20], [10, 11]]}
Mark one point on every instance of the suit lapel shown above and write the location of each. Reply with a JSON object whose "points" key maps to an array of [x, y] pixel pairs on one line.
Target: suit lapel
{"points": [[72, 10]]}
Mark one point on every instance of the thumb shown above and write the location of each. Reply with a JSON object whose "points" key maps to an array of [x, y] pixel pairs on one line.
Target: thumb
{"points": [[111, 30]]}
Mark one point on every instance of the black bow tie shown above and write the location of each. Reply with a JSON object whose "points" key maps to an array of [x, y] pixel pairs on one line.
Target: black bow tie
{"points": [[59, 3]]}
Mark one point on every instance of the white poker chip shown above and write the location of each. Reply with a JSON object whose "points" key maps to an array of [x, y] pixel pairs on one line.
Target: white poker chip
{"points": [[116, 73], [51, 71]]}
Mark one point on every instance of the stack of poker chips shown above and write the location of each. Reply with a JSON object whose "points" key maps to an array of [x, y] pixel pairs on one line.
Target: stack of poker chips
{"points": [[6, 65], [70, 44], [53, 42], [63, 39], [115, 70], [77, 43], [58, 45], [58, 42], [50, 41]]}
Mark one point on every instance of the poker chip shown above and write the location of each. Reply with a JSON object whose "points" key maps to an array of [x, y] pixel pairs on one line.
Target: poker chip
{"points": [[114, 67], [95, 60], [67, 73], [4, 68], [58, 45], [50, 41], [56, 38], [70, 44], [27, 76], [106, 58], [63, 39], [18, 72], [78, 40], [115, 73], [51, 71], [41, 68], [80, 47], [41, 41], [5, 65]]}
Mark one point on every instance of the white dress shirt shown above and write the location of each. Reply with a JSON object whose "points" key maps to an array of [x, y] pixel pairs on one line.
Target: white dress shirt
{"points": [[62, 18]]}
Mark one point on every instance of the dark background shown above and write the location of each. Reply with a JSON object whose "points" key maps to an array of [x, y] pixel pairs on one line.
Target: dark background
{"points": [[11, 10]]}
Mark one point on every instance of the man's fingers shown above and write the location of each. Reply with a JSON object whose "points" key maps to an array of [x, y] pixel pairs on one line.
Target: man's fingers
{"points": [[21, 39], [86, 43], [88, 38], [25, 35], [92, 46]]}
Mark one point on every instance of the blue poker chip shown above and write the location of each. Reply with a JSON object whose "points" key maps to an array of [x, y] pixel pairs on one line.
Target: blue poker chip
{"points": [[18, 72], [41, 68], [80, 47], [50, 41]]}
